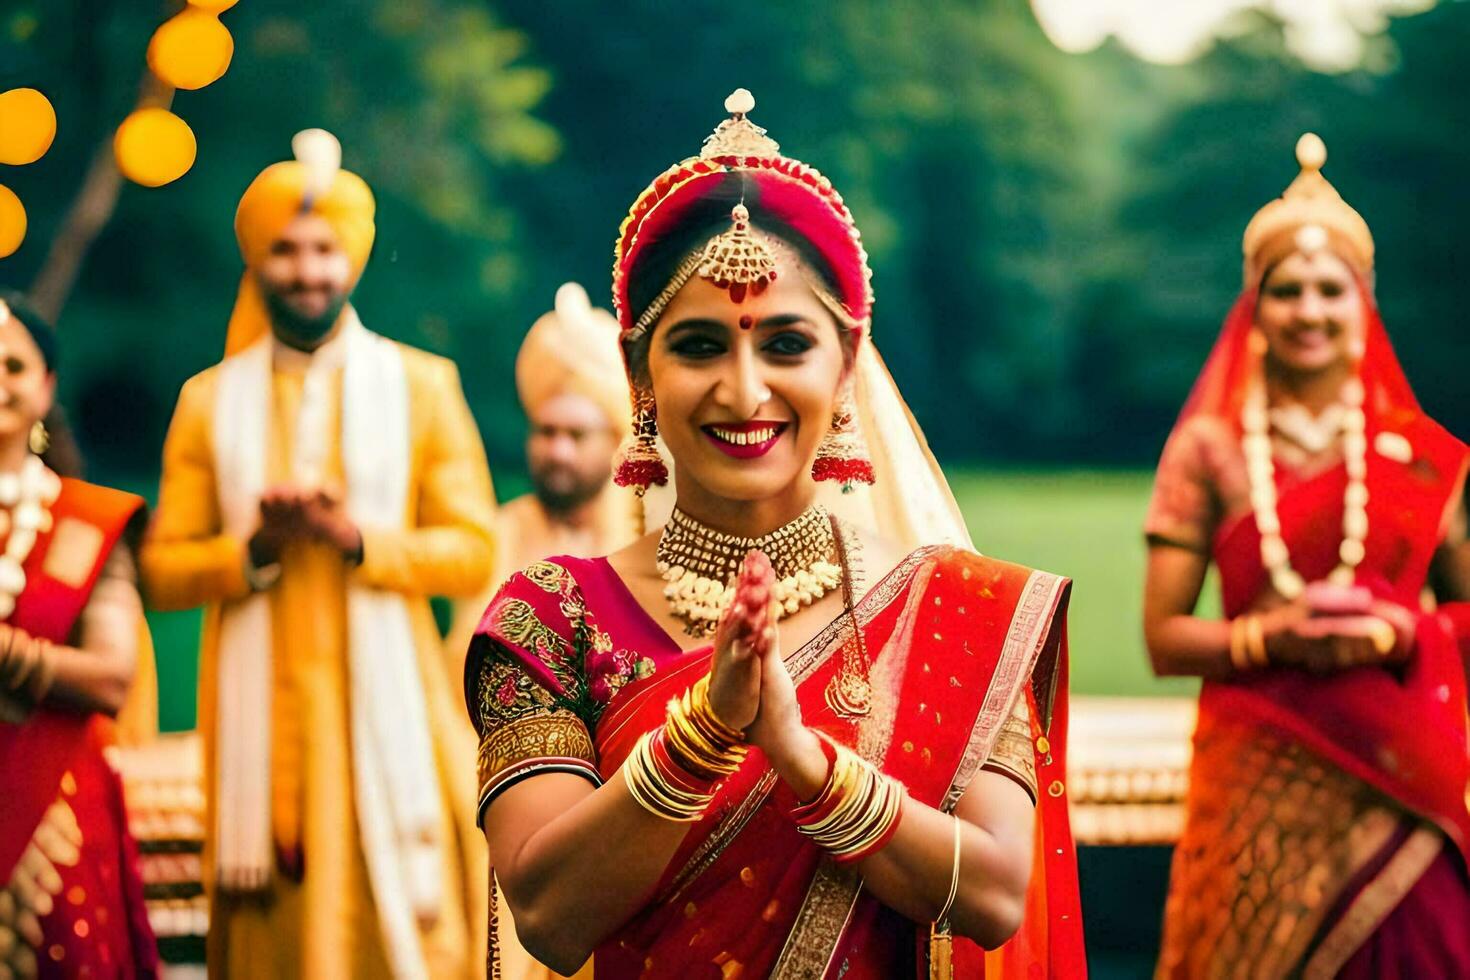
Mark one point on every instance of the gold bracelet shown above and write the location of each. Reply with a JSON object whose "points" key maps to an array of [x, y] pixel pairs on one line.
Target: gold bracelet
{"points": [[1239, 659], [651, 790], [24, 663], [45, 672], [7, 653], [865, 807], [1255, 641], [942, 919], [698, 741]]}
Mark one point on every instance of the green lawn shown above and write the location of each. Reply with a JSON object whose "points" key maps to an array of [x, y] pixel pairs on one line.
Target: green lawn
{"points": [[1085, 525], [1081, 524]]}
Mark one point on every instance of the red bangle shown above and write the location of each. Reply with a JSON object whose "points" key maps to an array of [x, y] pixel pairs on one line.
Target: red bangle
{"points": [[672, 771], [806, 814]]}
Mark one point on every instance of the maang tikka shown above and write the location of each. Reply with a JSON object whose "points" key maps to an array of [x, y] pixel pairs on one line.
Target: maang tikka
{"points": [[737, 259]]}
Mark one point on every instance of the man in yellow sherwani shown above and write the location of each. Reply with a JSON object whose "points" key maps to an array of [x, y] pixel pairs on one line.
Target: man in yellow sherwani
{"points": [[569, 376], [319, 485]]}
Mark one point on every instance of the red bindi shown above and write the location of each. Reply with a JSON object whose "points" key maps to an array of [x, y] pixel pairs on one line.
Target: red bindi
{"points": [[746, 322]]}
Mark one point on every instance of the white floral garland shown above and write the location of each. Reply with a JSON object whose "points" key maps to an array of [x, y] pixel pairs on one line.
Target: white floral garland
{"points": [[27, 497], [1261, 474]]}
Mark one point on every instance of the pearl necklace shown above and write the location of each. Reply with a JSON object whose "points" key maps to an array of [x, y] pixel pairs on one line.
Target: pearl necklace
{"points": [[699, 565], [27, 497], [1261, 474]]}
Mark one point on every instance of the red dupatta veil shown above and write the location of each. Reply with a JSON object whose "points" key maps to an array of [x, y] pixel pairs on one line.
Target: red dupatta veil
{"points": [[1402, 731]]}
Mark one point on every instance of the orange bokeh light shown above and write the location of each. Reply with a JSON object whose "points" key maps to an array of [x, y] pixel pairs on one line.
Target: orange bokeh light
{"points": [[29, 126], [191, 49], [12, 222], [154, 147]]}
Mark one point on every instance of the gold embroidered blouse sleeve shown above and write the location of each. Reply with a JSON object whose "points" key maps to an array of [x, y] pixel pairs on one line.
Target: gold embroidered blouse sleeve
{"points": [[1013, 754], [526, 728], [449, 548], [1183, 511], [186, 559]]}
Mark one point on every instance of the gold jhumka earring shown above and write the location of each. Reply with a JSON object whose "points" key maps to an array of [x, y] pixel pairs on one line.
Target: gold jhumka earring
{"points": [[641, 465]]}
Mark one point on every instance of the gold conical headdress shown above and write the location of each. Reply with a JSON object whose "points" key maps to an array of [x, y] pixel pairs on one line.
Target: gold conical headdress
{"points": [[1309, 216]]}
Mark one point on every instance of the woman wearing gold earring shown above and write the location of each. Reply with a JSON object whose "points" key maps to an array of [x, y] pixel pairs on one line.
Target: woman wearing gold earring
{"points": [[71, 631], [763, 740], [1327, 814]]}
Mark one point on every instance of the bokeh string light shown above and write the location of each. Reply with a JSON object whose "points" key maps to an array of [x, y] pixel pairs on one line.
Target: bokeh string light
{"points": [[27, 126], [192, 49], [12, 222], [154, 147], [27, 130]]}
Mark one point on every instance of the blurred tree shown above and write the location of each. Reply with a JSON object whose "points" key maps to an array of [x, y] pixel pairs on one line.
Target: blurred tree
{"points": [[1055, 237], [433, 101]]}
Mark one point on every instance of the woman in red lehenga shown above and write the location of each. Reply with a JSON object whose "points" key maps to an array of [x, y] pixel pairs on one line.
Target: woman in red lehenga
{"points": [[669, 784], [70, 634], [1327, 821]]}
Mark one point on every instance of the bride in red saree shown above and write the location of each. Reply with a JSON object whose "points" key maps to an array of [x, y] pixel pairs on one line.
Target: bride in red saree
{"points": [[881, 791], [1327, 820], [71, 630]]}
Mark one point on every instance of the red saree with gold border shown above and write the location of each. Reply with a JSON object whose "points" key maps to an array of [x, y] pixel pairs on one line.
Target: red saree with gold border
{"points": [[98, 926], [567, 671], [1326, 812]]}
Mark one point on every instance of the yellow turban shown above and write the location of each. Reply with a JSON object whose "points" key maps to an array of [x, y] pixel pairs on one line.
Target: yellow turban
{"points": [[574, 350], [315, 182]]}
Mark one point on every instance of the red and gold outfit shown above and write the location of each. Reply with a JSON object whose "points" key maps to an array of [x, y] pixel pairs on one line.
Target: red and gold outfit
{"points": [[1327, 819], [568, 671], [55, 779], [966, 656]]}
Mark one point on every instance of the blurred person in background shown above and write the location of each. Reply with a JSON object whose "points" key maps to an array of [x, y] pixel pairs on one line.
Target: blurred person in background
{"points": [[569, 377], [73, 642], [1326, 820], [318, 486]]}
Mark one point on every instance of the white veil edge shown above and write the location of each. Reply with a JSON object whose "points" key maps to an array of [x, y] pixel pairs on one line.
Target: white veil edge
{"points": [[909, 503]]}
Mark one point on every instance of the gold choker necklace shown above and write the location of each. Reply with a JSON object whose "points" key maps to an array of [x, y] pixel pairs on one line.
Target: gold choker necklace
{"points": [[700, 564]]}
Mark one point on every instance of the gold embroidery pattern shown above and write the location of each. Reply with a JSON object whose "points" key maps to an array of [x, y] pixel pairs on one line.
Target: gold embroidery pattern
{"points": [[507, 693], [516, 622], [1030, 624], [1272, 838], [1374, 902], [549, 577], [557, 734], [1013, 753], [819, 926]]}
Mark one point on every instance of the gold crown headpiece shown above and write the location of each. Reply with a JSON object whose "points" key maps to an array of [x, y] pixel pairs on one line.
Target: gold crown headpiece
{"points": [[741, 259], [1309, 216]]}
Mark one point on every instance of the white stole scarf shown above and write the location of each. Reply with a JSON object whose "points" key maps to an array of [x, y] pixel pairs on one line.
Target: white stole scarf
{"points": [[395, 779]]}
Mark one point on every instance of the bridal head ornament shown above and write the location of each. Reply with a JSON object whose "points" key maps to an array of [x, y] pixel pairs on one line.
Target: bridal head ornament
{"points": [[806, 227], [1308, 217]]}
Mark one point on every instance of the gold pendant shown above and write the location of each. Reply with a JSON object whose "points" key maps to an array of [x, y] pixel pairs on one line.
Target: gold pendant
{"points": [[849, 695]]}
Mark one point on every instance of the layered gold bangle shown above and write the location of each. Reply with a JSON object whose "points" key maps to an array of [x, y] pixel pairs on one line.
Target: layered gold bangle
{"points": [[857, 811], [27, 667], [656, 790], [698, 741], [1255, 642], [673, 771], [1248, 643], [1238, 656]]}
